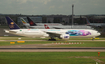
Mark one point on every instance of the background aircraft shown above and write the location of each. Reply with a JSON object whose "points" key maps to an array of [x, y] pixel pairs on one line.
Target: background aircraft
{"points": [[52, 25], [31, 25], [100, 25]]}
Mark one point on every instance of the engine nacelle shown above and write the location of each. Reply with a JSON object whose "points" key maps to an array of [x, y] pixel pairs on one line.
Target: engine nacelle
{"points": [[65, 36], [6, 31]]}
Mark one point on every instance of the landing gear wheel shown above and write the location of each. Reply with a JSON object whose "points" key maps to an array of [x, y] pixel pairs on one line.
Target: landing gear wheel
{"points": [[52, 39]]}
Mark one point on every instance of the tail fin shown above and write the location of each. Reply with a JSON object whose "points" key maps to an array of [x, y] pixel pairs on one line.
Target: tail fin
{"points": [[46, 26], [11, 23], [87, 21], [31, 22], [23, 21]]}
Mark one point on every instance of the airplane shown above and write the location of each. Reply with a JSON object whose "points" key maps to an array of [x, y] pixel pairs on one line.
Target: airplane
{"points": [[52, 33], [54, 25], [51, 25], [100, 25], [69, 27], [31, 24]]}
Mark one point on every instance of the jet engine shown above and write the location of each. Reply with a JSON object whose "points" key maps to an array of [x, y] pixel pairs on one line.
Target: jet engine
{"points": [[64, 36]]}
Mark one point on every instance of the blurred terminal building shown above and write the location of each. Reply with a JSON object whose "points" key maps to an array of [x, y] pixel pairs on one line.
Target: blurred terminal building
{"points": [[63, 19]]}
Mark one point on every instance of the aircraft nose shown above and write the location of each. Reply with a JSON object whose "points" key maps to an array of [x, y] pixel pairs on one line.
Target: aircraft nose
{"points": [[99, 34]]}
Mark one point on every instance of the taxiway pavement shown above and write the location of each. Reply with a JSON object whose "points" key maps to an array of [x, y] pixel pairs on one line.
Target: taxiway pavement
{"points": [[45, 48], [52, 49], [47, 40]]}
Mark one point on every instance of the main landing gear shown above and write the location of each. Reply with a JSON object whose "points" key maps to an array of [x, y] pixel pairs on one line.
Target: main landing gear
{"points": [[52, 39]]}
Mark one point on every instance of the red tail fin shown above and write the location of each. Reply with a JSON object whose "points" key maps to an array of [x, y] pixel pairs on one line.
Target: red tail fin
{"points": [[46, 26]]}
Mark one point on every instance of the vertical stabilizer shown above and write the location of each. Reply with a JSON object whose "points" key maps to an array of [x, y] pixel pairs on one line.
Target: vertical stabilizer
{"points": [[46, 26], [88, 23], [23, 21], [31, 22], [11, 23]]}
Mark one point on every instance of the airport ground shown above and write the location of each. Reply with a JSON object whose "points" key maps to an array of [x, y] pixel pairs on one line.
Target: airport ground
{"points": [[52, 58], [77, 42], [42, 51]]}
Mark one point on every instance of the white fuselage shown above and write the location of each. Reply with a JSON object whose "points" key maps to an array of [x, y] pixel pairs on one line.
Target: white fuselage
{"points": [[97, 24], [43, 32]]}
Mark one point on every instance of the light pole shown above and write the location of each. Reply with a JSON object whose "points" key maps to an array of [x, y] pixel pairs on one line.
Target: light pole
{"points": [[72, 14]]}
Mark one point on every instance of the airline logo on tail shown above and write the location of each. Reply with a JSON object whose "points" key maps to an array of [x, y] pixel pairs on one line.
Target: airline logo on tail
{"points": [[46, 26], [31, 22], [23, 21], [11, 23]]}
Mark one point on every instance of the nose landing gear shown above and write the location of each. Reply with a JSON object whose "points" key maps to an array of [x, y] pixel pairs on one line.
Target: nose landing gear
{"points": [[93, 38]]}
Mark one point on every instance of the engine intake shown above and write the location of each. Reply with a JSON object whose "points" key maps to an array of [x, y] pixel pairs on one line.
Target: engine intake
{"points": [[64, 36]]}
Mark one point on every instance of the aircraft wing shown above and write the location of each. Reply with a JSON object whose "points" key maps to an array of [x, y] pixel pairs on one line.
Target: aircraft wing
{"points": [[53, 34], [58, 35]]}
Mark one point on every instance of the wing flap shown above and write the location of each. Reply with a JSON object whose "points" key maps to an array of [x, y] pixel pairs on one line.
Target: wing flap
{"points": [[53, 34]]}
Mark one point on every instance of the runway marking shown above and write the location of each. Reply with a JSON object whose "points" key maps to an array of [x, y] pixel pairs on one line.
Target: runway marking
{"points": [[67, 43], [20, 41], [12, 42]]}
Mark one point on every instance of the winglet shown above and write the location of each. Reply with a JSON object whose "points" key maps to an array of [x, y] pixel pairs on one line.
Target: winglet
{"points": [[46, 26], [31, 22], [11, 23]]}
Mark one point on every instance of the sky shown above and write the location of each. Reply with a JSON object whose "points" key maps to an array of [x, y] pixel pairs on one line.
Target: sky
{"points": [[49, 7]]}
